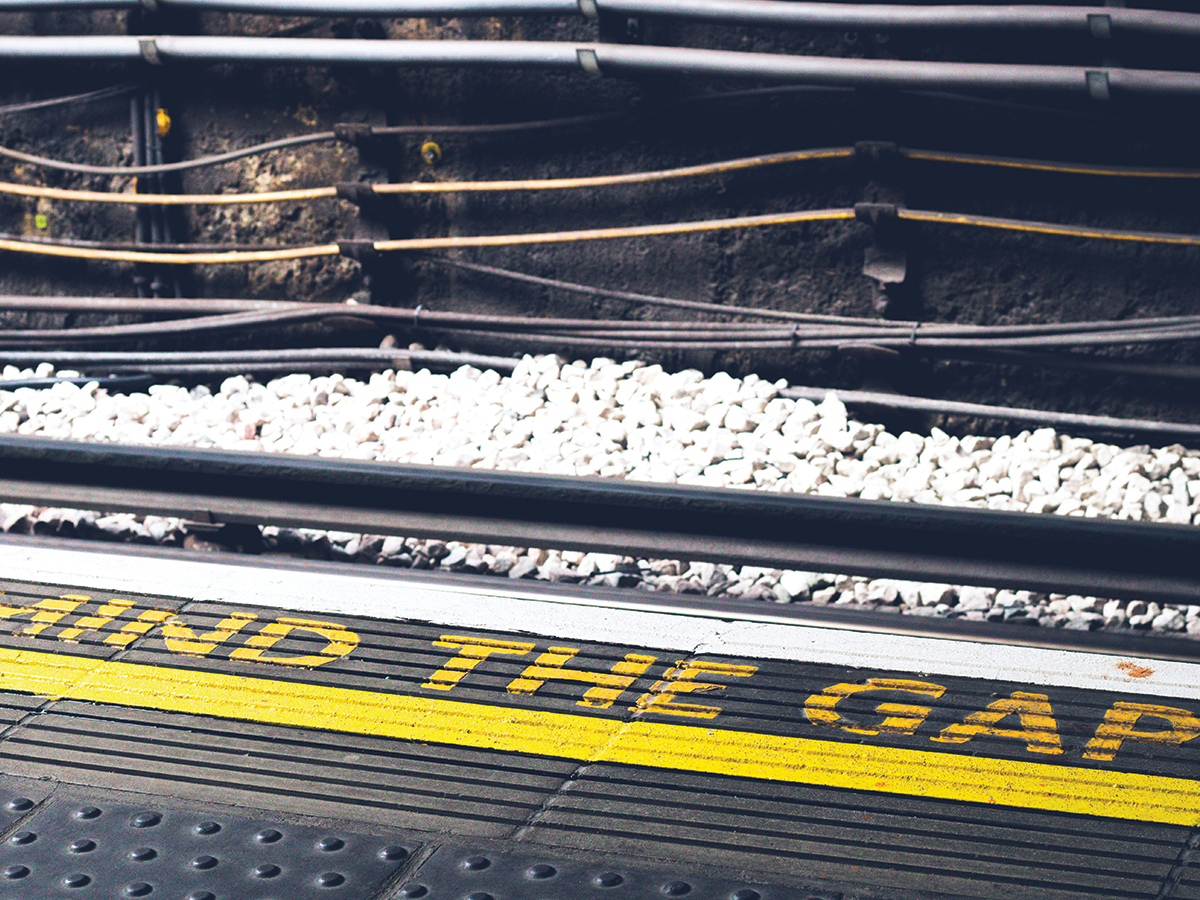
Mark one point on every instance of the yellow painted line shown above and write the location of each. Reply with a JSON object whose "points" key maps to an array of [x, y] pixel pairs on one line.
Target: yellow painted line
{"points": [[661, 745]]}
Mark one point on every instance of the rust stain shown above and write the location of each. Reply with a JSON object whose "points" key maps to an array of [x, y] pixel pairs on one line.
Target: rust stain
{"points": [[1133, 670]]}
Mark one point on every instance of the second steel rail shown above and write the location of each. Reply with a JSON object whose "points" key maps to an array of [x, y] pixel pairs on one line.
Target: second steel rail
{"points": [[1068, 554]]}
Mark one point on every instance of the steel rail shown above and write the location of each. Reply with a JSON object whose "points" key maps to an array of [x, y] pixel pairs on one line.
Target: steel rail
{"points": [[608, 59], [1068, 554], [1098, 20]]}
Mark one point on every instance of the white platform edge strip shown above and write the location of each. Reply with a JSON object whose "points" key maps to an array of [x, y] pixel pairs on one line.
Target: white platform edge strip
{"points": [[360, 592]]}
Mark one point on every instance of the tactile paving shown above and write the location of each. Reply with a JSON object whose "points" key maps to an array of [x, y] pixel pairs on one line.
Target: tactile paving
{"points": [[85, 849], [465, 873]]}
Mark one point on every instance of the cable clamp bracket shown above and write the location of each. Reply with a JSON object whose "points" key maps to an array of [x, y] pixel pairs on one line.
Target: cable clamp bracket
{"points": [[588, 61], [1098, 86], [876, 152], [149, 50], [875, 213], [589, 10], [357, 192], [356, 133], [359, 251], [1100, 25]]}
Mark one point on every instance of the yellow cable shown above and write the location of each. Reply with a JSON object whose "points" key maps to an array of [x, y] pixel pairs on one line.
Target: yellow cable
{"points": [[28, 190], [1042, 166], [422, 187], [486, 240], [600, 234], [592, 234], [913, 215], [140, 256], [551, 184]]}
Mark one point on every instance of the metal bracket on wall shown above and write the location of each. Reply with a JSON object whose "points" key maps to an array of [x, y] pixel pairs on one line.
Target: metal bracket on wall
{"points": [[885, 262], [617, 28], [612, 27], [361, 194], [354, 133], [1097, 85], [360, 251], [1100, 25]]}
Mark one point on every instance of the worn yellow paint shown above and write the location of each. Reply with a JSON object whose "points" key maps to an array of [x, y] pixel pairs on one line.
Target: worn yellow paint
{"points": [[1118, 723], [683, 747], [179, 638], [340, 642], [902, 718], [682, 679], [44, 613], [105, 614], [1039, 729], [609, 685], [471, 652]]}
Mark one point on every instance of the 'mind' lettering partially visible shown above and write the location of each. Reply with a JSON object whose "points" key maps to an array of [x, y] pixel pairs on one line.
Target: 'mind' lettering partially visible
{"points": [[74, 618]]}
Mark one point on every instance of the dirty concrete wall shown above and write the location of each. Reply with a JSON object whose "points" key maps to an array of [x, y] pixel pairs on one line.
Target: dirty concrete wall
{"points": [[955, 274]]}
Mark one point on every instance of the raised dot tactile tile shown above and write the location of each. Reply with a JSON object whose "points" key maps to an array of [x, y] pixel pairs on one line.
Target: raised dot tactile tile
{"points": [[93, 848], [18, 798], [465, 873]]}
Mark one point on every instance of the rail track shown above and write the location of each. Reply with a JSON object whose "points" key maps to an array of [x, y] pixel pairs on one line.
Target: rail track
{"points": [[1067, 554]]}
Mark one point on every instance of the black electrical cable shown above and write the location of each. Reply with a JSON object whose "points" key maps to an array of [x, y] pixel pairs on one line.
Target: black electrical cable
{"points": [[191, 361], [745, 343], [643, 338], [116, 382], [215, 159], [1072, 361], [1074, 421], [157, 130], [855, 326], [142, 273], [117, 90], [647, 299], [350, 131], [971, 347], [356, 132]]}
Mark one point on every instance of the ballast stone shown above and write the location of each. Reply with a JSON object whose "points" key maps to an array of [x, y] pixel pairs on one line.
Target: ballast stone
{"points": [[630, 420]]}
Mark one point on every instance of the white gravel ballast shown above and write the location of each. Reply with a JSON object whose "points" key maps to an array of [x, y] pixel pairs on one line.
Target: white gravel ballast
{"points": [[638, 422]]}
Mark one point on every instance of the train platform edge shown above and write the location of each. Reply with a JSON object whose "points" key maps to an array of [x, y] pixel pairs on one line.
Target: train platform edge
{"points": [[191, 727]]}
